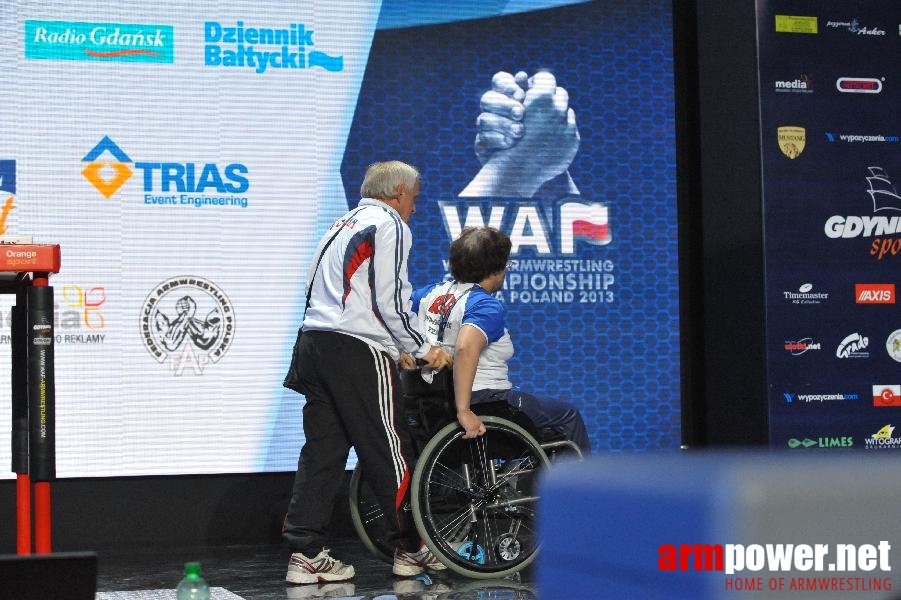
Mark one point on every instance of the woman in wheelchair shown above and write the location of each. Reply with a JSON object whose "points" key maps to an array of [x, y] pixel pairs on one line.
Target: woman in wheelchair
{"points": [[465, 317]]}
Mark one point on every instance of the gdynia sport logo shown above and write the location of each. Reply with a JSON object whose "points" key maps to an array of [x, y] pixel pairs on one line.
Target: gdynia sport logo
{"points": [[119, 42], [781, 558], [167, 184]]}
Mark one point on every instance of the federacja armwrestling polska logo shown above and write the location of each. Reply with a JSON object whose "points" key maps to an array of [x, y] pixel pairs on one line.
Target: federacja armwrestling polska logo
{"points": [[188, 321]]}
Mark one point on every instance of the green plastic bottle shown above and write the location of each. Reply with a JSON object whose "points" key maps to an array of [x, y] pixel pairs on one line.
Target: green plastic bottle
{"points": [[193, 586]]}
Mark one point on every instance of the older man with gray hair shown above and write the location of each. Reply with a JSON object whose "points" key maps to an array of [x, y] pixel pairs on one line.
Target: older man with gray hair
{"points": [[357, 324]]}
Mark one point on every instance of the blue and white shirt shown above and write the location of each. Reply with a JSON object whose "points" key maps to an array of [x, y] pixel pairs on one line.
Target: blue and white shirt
{"points": [[361, 287], [455, 304]]}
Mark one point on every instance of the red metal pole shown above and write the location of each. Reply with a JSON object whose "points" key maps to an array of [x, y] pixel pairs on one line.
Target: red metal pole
{"points": [[23, 514], [42, 517]]}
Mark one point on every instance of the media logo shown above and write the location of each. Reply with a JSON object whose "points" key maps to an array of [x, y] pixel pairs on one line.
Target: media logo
{"points": [[108, 42], [168, 184], [874, 293], [858, 85], [795, 24], [264, 48], [893, 345], [805, 295], [887, 395], [801, 346], [7, 192], [802, 85], [188, 321], [883, 439], [853, 346], [120, 165], [791, 140], [885, 199]]}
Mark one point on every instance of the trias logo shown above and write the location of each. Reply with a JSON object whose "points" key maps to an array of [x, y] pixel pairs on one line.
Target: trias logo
{"points": [[887, 395], [874, 293], [180, 183]]}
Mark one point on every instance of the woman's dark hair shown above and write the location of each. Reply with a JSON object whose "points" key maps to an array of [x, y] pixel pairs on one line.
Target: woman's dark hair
{"points": [[478, 253]]}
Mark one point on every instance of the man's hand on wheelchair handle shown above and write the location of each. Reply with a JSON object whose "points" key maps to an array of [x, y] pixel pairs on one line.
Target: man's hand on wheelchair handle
{"points": [[437, 358], [471, 423]]}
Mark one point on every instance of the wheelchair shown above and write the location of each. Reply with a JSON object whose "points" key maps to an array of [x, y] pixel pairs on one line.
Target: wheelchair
{"points": [[473, 500]]}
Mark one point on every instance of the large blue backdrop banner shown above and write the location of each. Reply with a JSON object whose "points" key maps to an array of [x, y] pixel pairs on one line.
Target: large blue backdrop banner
{"points": [[832, 221]]}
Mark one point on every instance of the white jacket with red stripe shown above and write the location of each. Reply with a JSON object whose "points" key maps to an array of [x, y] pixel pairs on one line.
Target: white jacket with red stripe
{"points": [[361, 287]]}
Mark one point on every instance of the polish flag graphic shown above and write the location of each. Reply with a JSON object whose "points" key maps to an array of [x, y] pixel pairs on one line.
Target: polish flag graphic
{"points": [[586, 222]]}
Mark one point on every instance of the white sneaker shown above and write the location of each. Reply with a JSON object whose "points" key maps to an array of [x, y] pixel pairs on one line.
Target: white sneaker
{"points": [[408, 564], [322, 567]]}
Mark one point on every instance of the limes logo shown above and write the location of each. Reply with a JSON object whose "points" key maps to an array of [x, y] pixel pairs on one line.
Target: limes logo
{"points": [[120, 166]]}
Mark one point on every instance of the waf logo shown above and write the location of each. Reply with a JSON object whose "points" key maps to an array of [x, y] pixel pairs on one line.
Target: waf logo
{"points": [[114, 159], [887, 395], [874, 293]]}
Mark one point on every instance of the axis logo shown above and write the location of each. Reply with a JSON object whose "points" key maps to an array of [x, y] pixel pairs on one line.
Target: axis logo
{"points": [[120, 165], [874, 293]]}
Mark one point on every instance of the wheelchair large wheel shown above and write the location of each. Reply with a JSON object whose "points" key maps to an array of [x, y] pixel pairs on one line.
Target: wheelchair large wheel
{"points": [[474, 500], [368, 517]]}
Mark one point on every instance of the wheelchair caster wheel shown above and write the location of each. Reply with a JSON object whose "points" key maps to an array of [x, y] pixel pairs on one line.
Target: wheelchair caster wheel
{"points": [[472, 551], [508, 547]]}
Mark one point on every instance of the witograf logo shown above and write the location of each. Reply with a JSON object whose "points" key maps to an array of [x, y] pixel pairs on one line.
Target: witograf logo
{"points": [[189, 321]]}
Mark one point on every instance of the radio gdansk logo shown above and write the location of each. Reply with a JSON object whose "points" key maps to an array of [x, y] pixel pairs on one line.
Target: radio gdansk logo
{"points": [[188, 321], [874, 293], [121, 42], [853, 346], [805, 295], [883, 439], [167, 183], [887, 395], [263, 48], [887, 202]]}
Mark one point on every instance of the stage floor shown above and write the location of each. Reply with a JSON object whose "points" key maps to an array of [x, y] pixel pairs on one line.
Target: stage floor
{"points": [[258, 573]]}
